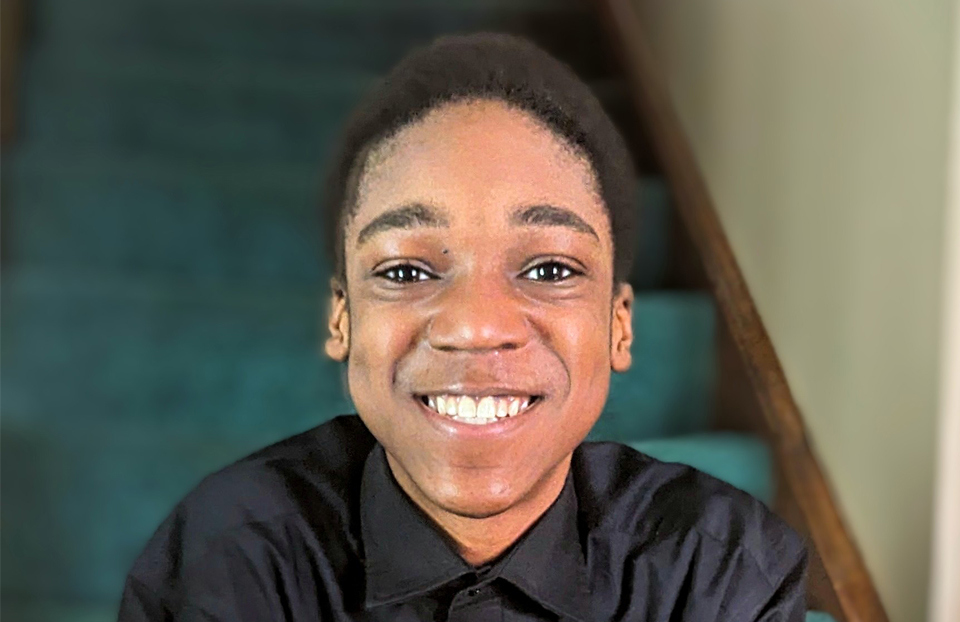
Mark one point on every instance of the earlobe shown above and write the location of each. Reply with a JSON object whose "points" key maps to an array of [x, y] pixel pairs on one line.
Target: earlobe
{"points": [[621, 334], [338, 324]]}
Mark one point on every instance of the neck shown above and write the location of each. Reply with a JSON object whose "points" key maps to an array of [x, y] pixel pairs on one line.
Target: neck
{"points": [[481, 540]]}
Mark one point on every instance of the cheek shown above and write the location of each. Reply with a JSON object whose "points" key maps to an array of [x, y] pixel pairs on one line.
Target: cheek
{"points": [[380, 336], [581, 338]]}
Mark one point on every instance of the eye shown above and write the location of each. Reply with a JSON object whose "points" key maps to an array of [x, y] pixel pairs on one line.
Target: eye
{"points": [[551, 272], [404, 273]]}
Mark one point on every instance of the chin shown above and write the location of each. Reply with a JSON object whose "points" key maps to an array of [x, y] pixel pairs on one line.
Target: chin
{"points": [[479, 497], [477, 506]]}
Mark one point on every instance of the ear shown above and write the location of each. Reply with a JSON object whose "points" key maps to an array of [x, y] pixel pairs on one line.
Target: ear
{"points": [[621, 332], [338, 323]]}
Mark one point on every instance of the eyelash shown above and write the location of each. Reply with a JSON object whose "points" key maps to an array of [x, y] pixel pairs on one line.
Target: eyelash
{"points": [[419, 275]]}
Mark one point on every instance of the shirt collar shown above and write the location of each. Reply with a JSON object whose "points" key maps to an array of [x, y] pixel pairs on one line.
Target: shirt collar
{"points": [[549, 550], [406, 555]]}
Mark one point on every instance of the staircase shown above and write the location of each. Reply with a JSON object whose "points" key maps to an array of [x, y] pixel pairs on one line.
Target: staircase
{"points": [[163, 281]]}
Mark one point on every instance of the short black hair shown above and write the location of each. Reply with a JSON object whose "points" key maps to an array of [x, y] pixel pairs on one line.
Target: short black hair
{"points": [[497, 67]]}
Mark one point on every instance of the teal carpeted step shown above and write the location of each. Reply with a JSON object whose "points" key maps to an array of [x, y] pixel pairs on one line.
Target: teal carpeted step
{"points": [[669, 389], [213, 223], [79, 506], [343, 34], [224, 110], [91, 103], [207, 223], [740, 460], [82, 351]]}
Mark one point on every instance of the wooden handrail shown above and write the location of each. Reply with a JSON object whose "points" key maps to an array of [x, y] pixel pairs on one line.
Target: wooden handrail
{"points": [[799, 468]]}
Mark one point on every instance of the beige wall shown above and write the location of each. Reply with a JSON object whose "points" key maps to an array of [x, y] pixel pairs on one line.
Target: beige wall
{"points": [[945, 596], [821, 128]]}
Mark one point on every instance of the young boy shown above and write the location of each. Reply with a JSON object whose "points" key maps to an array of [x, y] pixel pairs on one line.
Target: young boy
{"points": [[483, 217]]}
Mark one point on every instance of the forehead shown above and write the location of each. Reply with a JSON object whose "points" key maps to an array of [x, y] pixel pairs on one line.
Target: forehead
{"points": [[478, 160]]}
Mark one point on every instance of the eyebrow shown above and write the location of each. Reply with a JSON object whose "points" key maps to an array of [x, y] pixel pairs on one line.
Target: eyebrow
{"points": [[551, 216], [420, 215], [406, 217]]}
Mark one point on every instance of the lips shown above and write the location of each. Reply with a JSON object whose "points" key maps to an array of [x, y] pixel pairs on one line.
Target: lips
{"points": [[478, 409]]}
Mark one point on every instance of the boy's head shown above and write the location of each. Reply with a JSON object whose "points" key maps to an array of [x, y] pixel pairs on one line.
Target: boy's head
{"points": [[484, 216], [486, 66]]}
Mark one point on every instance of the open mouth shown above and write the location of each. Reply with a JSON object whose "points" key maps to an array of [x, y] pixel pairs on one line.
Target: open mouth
{"points": [[479, 410]]}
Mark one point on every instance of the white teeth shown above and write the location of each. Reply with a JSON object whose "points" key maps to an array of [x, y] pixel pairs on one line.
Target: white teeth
{"points": [[467, 408], [473, 421], [479, 410], [487, 408]]}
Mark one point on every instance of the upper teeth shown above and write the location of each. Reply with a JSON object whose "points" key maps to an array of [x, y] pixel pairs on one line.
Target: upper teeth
{"points": [[478, 410]]}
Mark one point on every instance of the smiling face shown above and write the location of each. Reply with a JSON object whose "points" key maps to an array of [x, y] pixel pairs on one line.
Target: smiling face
{"points": [[479, 267]]}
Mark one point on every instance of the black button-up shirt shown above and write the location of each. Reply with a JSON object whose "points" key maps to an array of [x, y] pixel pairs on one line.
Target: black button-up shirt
{"points": [[315, 528]]}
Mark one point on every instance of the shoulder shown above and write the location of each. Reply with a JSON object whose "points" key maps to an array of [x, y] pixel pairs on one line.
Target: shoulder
{"points": [[636, 497], [319, 466], [310, 479]]}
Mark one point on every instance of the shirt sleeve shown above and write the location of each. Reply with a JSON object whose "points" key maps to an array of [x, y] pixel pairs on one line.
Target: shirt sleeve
{"points": [[731, 582], [788, 602], [234, 581], [140, 604]]}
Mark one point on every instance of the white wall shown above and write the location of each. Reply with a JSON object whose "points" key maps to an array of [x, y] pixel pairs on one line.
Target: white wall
{"points": [[821, 126]]}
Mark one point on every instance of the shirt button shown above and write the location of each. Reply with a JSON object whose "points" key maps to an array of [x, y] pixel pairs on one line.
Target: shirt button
{"points": [[473, 592]]}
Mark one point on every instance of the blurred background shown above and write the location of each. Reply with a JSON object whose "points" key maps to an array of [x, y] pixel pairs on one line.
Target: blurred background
{"points": [[164, 278]]}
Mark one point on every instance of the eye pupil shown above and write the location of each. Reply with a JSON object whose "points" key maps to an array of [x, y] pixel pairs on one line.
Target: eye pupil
{"points": [[404, 274], [551, 272]]}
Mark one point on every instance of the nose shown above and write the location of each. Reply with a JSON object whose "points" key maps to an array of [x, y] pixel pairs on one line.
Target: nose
{"points": [[479, 313]]}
